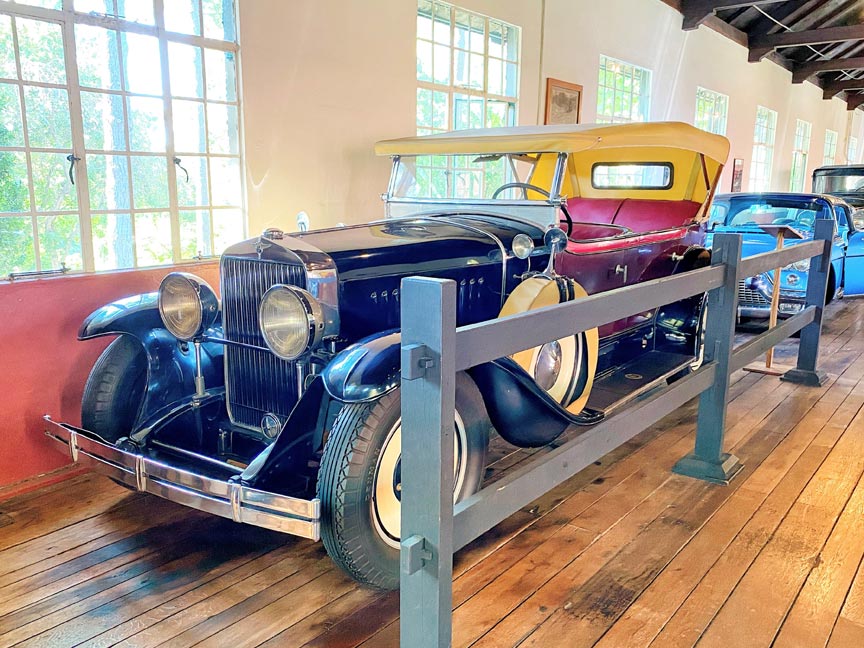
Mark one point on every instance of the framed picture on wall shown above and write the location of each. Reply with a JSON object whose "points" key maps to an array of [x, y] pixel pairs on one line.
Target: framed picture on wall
{"points": [[737, 174], [563, 102]]}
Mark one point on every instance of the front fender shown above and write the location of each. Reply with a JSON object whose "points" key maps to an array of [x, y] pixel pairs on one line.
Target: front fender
{"points": [[366, 370], [170, 363]]}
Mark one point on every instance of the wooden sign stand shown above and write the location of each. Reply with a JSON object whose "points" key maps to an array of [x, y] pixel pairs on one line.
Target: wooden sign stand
{"points": [[780, 234]]}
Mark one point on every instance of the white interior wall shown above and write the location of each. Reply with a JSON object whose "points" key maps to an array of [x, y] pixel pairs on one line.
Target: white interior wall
{"points": [[323, 80]]}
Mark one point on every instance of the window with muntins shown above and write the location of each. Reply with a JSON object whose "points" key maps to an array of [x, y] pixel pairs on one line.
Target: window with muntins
{"points": [[763, 149], [623, 92], [799, 155], [467, 77], [829, 153], [712, 110], [137, 102], [852, 150]]}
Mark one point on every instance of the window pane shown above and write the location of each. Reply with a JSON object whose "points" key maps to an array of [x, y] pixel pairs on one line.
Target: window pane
{"points": [[149, 181], [192, 192], [95, 6], [441, 27], [439, 110], [146, 124], [225, 181], [153, 239], [51, 186], [441, 64], [40, 45], [140, 11], [98, 57], [11, 127], [142, 63], [221, 75], [222, 124], [195, 234], [112, 241], [48, 117], [16, 245], [108, 180], [187, 79], [189, 134], [227, 228], [424, 61], [219, 19], [59, 241], [7, 49], [104, 124], [14, 189], [183, 16], [48, 4]]}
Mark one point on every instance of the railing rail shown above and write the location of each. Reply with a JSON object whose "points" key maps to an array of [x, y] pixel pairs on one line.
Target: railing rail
{"points": [[434, 349]]}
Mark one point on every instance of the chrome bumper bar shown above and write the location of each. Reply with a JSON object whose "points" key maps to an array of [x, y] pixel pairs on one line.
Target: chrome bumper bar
{"points": [[229, 499]]}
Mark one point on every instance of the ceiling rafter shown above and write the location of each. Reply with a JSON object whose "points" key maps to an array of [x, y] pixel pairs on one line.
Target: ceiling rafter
{"points": [[763, 44], [696, 11], [803, 71], [831, 89]]}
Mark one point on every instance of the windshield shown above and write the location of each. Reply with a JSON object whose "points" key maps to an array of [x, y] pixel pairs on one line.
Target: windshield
{"points": [[851, 183], [751, 212], [465, 177]]}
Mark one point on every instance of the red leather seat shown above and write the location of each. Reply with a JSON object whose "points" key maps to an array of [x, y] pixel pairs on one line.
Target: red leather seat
{"points": [[593, 210], [650, 215]]}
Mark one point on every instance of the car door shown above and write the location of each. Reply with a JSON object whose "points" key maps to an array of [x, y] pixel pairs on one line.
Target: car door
{"points": [[854, 264]]}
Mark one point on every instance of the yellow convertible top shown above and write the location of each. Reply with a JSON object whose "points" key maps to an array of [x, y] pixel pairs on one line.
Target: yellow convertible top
{"points": [[562, 139]]}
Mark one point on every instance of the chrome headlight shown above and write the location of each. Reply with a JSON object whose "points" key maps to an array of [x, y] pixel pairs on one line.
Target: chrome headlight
{"points": [[801, 266], [292, 321], [187, 304]]}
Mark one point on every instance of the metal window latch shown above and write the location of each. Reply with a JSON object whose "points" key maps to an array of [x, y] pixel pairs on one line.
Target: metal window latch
{"points": [[177, 161], [72, 160], [415, 554], [416, 359]]}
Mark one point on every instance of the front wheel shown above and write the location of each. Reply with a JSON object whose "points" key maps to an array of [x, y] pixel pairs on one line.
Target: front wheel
{"points": [[360, 483]]}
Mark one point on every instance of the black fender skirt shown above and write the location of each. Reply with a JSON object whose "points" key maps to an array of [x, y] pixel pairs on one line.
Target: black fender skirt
{"points": [[522, 413]]}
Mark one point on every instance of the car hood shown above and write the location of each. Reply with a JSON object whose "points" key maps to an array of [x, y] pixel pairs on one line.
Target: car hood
{"points": [[754, 242]]}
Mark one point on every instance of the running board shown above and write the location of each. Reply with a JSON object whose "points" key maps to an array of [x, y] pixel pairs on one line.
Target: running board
{"points": [[636, 379]]}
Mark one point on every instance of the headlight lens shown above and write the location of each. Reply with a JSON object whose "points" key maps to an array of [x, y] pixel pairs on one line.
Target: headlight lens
{"points": [[292, 321], [523, 246], [801, 266], [187, 304]]}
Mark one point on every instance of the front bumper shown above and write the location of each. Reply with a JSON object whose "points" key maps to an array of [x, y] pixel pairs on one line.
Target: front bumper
{"points": [[228, 499]]}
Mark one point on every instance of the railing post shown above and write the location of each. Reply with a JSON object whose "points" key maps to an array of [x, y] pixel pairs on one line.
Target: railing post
{"points": [[805, 372], [428, 402], [708, 461]]}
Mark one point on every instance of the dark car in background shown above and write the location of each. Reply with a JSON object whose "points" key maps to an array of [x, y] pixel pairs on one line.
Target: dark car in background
{"points": [[744, 213], [844, 181], [278, 405]]}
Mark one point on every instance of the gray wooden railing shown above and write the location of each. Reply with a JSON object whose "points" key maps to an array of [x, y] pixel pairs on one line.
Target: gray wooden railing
{"points": [[434, 349]]}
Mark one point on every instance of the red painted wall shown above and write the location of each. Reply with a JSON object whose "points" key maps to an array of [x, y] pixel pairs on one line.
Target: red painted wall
{"points": [[43, 366]]}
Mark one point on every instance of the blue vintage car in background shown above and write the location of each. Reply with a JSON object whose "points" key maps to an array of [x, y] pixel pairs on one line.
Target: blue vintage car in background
{"points": [[743, 213]]}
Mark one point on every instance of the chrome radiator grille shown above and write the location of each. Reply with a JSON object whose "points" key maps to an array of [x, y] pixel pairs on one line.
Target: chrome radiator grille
{"points": [[256, 381], [749, 297]]}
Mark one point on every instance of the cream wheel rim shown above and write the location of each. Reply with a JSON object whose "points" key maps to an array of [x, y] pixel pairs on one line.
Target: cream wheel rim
{"points": [[387, 486]]}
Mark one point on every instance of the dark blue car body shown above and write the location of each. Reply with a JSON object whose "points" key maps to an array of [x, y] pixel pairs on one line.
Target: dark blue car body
{"points": [[743, 213]]}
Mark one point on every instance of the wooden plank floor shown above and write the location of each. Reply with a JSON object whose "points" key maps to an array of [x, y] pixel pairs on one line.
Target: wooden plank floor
{"points": [[625, 554]]}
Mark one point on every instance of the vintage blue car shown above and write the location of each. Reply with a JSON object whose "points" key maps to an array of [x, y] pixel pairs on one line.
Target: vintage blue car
{"points": [[278, 405], [745, 213]]}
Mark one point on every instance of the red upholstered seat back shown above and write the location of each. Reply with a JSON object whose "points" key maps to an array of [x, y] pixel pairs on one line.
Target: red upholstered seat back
{"points": [[651, 215], [593, 210]]}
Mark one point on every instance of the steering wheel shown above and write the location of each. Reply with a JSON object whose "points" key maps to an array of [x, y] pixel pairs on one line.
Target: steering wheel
{"points": [[525, 186]]}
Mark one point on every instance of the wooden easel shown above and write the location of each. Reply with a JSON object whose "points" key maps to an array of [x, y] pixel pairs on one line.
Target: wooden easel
{"points": [[780, 234]]}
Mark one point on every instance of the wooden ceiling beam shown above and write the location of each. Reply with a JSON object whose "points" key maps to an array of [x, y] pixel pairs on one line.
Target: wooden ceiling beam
{"points": [[854, 101], [831, 89], [763, 44], [803, 71], [696, 11]]}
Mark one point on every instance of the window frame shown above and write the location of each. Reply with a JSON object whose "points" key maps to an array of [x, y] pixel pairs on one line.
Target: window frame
{"points": [[68, 18], [829, 150], [800, 155], [647, 80], [851, 149], [765, 146], [714, 98]]}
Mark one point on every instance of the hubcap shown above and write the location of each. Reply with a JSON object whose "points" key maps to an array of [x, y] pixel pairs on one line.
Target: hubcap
{"points": [[387, 487]]}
